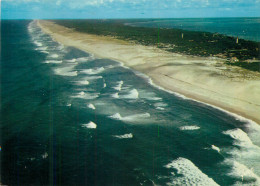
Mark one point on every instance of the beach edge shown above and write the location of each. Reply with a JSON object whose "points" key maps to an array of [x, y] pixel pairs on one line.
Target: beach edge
{"points": [[161, 80]]}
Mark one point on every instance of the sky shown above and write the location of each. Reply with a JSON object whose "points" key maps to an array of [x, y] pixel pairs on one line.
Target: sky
{"points": [[104, 9]]}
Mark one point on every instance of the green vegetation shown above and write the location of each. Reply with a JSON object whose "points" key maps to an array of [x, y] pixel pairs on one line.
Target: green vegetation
{"points": [[192, 43], [255, 66]]}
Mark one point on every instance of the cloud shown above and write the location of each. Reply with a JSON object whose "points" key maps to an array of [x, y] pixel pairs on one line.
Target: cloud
{"points": [[161, 3], [21, 1], [79, 4], [97, 3]]}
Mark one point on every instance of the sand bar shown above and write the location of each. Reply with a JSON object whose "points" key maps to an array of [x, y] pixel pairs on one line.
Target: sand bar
{"points": [[205, 79]]}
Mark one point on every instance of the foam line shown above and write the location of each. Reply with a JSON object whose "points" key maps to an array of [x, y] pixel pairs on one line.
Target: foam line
{"points": [[150, 96]]}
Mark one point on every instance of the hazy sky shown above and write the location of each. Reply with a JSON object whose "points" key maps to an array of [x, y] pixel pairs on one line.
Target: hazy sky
{"points": [[49, 9]]}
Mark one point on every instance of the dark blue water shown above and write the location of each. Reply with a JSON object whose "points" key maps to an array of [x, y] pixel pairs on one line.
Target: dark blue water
{"points": [[69, 118], [245, 28]]}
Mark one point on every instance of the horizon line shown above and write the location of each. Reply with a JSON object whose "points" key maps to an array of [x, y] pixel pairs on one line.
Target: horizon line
{"points": [[124, 18]]}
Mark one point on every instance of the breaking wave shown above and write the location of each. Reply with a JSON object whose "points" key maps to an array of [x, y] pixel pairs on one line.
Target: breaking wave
{"points": [[190, 127], [84, 95], [85, 59], [90, 125], [91, 106], [133, 94], [66, 71], [115, 95], [241, 138], [53, 61], [188, 174], [215, 148], [125, 136], [93, 71], [83, 82], [71, 60], [37, 43], [42, 49], [248, 153], [93, 77], [160, 104], [130, 118], [54, 55], [160, 108], [119, 86], [243, 174]]}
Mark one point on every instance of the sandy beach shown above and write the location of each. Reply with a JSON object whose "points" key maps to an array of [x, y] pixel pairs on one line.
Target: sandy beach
{"points": [[205, 79]]}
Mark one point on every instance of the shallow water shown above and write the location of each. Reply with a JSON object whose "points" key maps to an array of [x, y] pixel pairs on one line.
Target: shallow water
{"points": [[70, 118]]}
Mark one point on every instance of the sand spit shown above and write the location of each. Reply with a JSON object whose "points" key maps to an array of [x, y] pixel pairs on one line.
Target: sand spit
{"points": [[205, 79]]}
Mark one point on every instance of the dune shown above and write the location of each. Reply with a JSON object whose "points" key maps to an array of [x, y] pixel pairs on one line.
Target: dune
{"points": [[204, 79]]}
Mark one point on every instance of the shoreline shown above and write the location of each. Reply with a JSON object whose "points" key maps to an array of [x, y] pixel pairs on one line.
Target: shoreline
{"points": [[198, 78]]}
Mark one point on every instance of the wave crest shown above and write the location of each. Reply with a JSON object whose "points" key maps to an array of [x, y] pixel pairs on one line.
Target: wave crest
{"points": [[125, 136], [133, 94], [90, 125], [189, 173], [190, 127]]}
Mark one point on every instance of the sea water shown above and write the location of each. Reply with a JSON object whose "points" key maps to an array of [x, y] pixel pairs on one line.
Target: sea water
{"points": [[70, 118], [242, 27]]}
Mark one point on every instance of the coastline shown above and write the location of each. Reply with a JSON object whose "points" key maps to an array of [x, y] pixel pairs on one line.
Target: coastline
{"points": [[204, 79]]}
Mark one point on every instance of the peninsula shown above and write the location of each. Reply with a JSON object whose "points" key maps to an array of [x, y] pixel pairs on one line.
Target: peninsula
{"points": [[204, 76]]}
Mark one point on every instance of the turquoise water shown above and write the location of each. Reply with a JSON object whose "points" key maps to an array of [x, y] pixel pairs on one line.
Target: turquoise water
{"points": [[70, 118], [245, 28]]}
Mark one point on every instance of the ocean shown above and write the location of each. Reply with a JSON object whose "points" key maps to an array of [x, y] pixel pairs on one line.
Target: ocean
{"points": [[71, 118], [243, 27]]}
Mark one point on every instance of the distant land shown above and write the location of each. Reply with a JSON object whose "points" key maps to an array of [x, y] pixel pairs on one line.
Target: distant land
{"points": [[237, 52]]}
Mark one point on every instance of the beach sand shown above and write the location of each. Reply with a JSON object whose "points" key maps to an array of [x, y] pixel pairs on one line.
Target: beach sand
{"points": [[204, 79]]}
